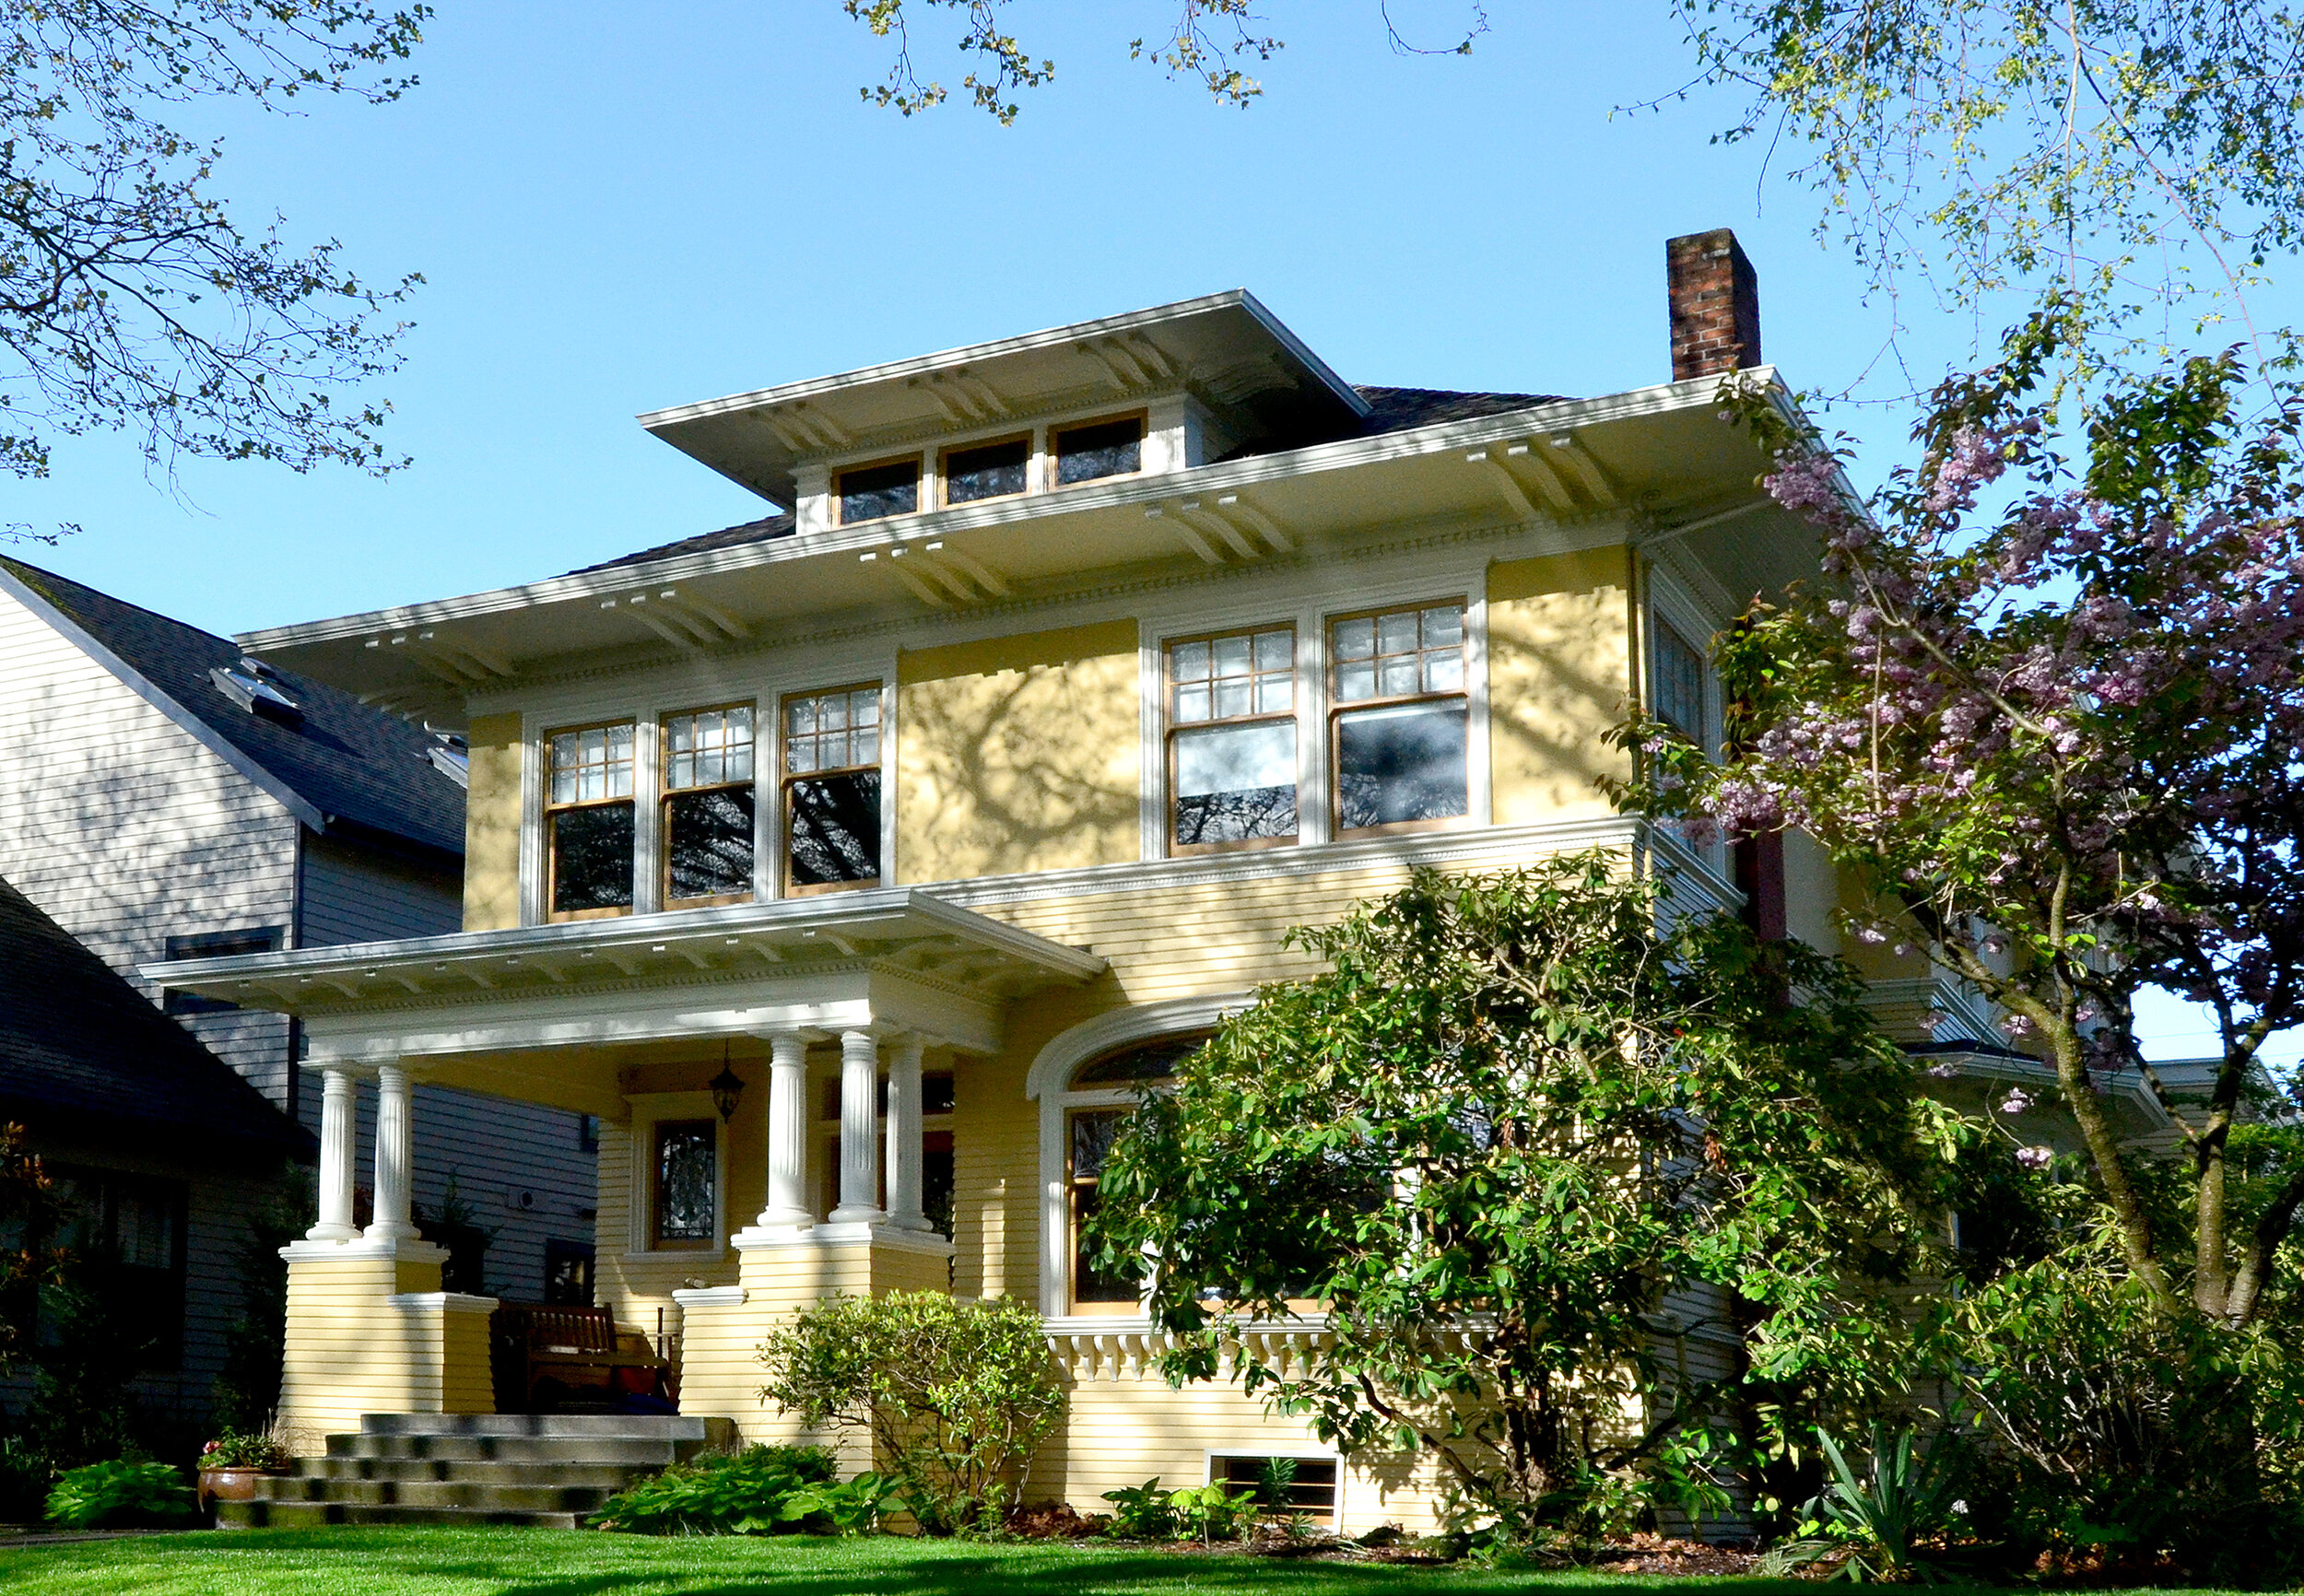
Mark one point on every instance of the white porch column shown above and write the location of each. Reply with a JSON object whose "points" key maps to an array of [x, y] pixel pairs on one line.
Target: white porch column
{"points": [[904, 1140], [338, 1099], [859, 1143], [393, 1157], [787, 1132]]}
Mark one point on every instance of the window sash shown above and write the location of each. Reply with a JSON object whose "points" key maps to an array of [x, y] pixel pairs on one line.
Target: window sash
{"points": [[877, 490], [1087, 1137], [1232, 739], [1094, 451], [830, 791], [1679, 682], [994, 468], [685, 1171], [589, 764], [707, 748]]}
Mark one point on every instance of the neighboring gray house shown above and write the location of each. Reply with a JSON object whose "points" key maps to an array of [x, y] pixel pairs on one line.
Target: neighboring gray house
{"points": [[161, 797], [159, 1150]]}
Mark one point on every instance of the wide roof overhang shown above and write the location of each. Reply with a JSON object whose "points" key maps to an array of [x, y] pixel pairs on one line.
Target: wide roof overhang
{"points": [[1227, 348], [1662, 456], [888, 960]]}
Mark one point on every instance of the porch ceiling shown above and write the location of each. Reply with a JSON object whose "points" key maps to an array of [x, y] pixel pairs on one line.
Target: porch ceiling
{"points": [[888, 940]]}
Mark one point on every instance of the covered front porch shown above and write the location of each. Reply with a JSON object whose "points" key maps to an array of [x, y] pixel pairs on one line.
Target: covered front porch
{"points": [[763, 1076]]}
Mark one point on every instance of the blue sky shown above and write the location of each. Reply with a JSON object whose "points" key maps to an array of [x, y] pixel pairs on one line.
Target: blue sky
{"points": [[621, 207]]}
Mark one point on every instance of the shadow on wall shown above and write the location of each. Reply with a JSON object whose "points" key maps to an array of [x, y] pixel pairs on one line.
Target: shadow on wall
{"points": [[1018, 754]]}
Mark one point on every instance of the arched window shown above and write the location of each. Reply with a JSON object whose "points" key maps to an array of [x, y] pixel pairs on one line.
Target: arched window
{"points": [[1088, 1082], [1139, 1064]]}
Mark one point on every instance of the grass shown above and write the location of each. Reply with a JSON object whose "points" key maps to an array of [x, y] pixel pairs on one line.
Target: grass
{"points": [[510, 1562]]}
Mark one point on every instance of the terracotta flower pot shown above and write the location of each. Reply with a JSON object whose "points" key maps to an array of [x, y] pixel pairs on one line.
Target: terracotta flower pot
{"points": [[232, 1485]]}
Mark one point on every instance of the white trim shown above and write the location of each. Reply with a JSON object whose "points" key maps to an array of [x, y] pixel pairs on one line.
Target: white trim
{"points": [[818, 1237], [181, 715], [650, 1109], [1049, 1081], [361, 1249], [1310, 1453], [691, 1297], [1696, 394], [444, 1301]]}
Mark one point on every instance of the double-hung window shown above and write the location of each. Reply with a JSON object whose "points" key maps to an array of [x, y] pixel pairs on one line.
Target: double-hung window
{"points": [[831, 790], [588, 821], [1231, 740], [1400, 717], [1680, 683], [708, 806]]}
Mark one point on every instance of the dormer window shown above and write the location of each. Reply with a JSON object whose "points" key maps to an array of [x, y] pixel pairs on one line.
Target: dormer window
{"points": [[257, 688], [1099, 449], [987, 470], [876, 492]]}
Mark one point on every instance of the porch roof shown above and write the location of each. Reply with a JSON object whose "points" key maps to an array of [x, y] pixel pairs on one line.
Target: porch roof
{"points": [[899, 928]]}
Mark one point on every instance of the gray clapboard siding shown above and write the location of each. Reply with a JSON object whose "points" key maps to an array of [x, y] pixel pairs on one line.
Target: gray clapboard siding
{"points": [[516, 1167]]}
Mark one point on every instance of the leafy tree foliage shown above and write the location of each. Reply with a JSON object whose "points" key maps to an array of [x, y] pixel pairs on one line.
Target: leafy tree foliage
{"points": [[130, 294], [1517, 1114], [1212, 41], [2058, 740], [2068, 147]]}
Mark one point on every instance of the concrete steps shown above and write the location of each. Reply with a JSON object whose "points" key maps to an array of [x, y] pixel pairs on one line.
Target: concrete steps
{"points": [[545, 1470]]}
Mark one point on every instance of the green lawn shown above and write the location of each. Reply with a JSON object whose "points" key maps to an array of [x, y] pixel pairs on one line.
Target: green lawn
{"points": [[579, 1563]]}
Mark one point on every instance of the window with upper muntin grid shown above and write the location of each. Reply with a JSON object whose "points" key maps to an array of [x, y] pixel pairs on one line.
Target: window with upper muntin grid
{"points": [[588, 821], [707, 805], [1680, 682], [1231, 740], [1400, 717], [831, 789]]}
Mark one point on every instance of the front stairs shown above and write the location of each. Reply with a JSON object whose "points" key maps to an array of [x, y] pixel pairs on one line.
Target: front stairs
{"points": [[541, 1469]]}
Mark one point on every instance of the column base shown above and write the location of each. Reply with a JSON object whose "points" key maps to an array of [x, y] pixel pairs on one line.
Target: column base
{"points": [[369, 1331]]}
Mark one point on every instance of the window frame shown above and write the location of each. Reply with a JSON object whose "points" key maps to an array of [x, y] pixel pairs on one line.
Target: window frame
{"points": [[1141, 415], [1078, 1103], [785, 777], [550, 854], [925, 493], [665, 792], [1033, 451], [1171, 727], [648, 1109], [1337, 707], [1670, 605], [1333, 1517]]}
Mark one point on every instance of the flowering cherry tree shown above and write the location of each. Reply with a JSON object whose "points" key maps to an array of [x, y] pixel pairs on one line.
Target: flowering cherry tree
{"points": [[2047, 707]]}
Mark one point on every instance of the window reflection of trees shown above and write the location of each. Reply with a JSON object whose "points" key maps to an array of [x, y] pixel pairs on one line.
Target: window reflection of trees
{"points": [[835, 822], [711, 843], [1400, 764], [1234, 817]]}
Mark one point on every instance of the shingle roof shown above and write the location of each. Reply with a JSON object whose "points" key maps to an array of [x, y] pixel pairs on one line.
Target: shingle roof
{"points": [[726, 537], [345, 759], [1390, 410], [78, 1043]]}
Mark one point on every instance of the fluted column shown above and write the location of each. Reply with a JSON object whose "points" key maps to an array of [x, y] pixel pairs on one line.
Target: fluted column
{"points": [[904, 1140], [787, 1132], [859, 1141], [339, 1101], [393, 1156]]}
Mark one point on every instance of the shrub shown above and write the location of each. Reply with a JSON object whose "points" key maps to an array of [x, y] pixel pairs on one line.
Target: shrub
{"points": [[760, 1491], [236, 1449], [119, 1495], [955, 1395], [1142, 1512], [2116, 1431]]}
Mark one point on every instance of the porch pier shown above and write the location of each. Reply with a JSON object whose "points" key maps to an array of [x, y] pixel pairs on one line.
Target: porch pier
{"points": [[786, 1262], [368, 1328]]}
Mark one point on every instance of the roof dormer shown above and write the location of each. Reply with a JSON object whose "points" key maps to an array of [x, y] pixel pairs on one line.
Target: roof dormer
{"points": [[1152, 392]]}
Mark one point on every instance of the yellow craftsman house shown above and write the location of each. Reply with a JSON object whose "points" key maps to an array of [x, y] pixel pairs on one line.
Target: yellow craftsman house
{"points": [[854, 865]]}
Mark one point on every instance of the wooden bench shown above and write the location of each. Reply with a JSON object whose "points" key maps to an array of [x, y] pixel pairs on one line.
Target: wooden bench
{"points": [[541, 1340]]}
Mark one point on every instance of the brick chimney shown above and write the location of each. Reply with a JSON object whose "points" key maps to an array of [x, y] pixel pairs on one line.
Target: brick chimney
{"points": [[1715, 300]]}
